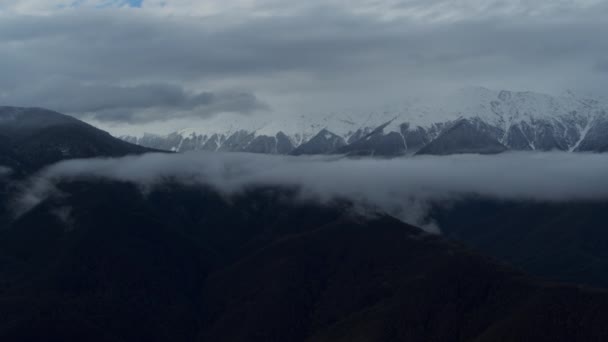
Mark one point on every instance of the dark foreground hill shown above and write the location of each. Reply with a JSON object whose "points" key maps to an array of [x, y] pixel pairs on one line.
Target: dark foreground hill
{"points": [[31, 138], [104, 262], [565, 241]]}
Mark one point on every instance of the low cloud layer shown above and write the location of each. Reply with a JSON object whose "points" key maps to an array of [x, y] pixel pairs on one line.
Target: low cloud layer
{"points": [[402, 187]]}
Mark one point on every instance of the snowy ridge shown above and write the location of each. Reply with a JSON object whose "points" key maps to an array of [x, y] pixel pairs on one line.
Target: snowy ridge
{"points": [[518, 120]]}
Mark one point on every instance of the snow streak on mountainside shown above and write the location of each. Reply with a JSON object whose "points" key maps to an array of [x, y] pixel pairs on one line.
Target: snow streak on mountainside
{"points": [[471, 120]]}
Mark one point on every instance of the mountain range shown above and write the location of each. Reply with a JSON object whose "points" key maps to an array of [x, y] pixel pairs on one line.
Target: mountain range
{"points": [[471, 120], [102, 260]]}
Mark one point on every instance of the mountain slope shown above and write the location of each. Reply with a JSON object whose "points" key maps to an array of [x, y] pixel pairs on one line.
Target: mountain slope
{"points": [[561, 241], [31, 138], [104, 262], [376, 143], [323, 143], [596, 139], [464, 137]]}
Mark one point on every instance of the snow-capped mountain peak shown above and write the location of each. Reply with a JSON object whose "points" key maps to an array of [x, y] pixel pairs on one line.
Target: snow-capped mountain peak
{"points": [[516, 119]]}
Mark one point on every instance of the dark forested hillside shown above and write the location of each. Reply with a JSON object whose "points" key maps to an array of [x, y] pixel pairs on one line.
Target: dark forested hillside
{"points": [[562, 241], [31, 138], [105, 262]]}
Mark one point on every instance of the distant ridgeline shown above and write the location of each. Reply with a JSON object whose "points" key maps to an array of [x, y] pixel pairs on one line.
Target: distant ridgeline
{"points": [[473, 120]]}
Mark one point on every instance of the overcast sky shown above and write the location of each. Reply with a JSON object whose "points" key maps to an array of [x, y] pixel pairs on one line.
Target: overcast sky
{"points": [[148, 64]]}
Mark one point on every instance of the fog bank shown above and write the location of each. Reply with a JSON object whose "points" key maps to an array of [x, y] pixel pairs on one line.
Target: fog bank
{"points": [[403, 187]]}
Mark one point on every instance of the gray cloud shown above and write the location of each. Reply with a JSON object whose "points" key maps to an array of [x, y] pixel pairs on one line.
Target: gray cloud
{"points": [[602, 66], [402, 187], [124, 103], [308, 57]]}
